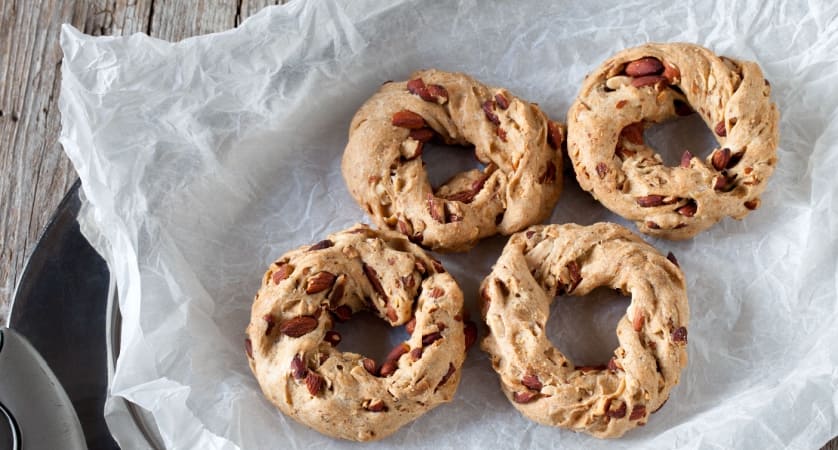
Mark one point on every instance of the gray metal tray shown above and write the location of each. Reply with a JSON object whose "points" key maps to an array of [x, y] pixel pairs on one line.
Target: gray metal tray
{"points": [[65, 304]]}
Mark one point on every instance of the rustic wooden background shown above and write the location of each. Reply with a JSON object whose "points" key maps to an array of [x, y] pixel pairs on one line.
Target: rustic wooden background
{"points": [[34, 172]]}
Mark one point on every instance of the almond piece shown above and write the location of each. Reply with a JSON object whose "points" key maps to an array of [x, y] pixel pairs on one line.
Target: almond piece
{"points": [[298, 368], [376, 406], [436, 209], [343, 313], [686, 158], [281, 273], [688, 210], [372, 276], [649, 80], [555, 136], [575, 276], [720, 129], [410, 326], [618, 413], [525, 397], [422, 134], [671, 257], [320, 282], [408, 119], [602, 169], [488, 109], [417, 87], [248, 348], [502, 102], [633, 133], [391, 363], [671, 73], [752, 204], [332, 337], [437, 292], [445, 377], [429, 339], [532, 382], [679, 336], [638, 321], [298, 326], [314, 383], [269, 319], [325, 243], [437, 93], [501, 134], [638, 412], [369, 365], [416, 354]]}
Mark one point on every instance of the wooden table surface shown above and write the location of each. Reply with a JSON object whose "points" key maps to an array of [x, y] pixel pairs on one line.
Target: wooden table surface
{"points": [[34, 171]]}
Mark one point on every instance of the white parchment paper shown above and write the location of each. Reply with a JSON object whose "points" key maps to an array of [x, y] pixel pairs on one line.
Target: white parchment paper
{"points": [[204, 160]]}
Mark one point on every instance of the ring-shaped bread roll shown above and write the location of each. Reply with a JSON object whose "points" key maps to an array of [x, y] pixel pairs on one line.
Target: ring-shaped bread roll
{"points": [[545, 261], [518, 145], [291, 345], [651, 84]]}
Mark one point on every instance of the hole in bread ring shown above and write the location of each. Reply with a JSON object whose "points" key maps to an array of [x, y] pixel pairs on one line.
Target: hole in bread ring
{"points": [[518, 146], [294, 350], [540, 381], [647, 85]]}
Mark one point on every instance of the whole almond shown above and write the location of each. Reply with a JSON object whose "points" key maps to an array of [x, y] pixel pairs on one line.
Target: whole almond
{"points": [[417, 87], [429, 339], [372, 276], [721, 158], [688, 210], [633, 133], [422, 134], [369, 366], [643, 67], [489, 110], [416, 354], [298, 326], [649, 200], [391, 363], [525, 396], [649, 80], [343, 313], [325, 243], [408, 119], [638, 412], [720, 129], [281, 273], [320, 282]]}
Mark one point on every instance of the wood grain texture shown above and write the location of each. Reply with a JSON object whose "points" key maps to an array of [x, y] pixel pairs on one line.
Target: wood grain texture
{"points": [[34, 172]]}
